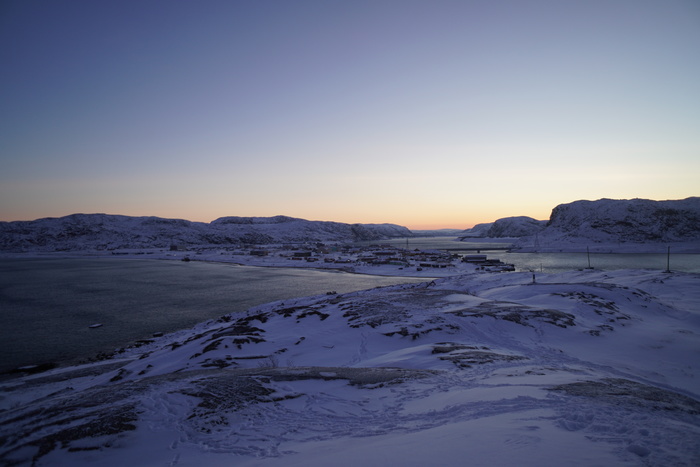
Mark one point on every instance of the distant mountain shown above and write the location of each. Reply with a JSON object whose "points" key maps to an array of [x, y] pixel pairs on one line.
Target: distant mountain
{"points": [[619, 224], [508, 227], [108, 232], [479, 230], [438, 233]]}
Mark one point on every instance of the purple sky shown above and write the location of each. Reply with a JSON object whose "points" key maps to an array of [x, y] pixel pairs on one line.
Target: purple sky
{"points": [[421, 113]]}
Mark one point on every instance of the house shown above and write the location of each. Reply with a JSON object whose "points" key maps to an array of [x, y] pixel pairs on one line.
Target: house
{"points": [[474, 258]]}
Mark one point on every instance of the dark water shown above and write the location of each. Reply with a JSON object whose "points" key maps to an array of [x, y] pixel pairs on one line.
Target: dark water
{"points": [[47, 305]]}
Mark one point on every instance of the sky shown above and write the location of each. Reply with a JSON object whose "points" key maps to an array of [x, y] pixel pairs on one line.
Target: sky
{"points": [[427, 114]]}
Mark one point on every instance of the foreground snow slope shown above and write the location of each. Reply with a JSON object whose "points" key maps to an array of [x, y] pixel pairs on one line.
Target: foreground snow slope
{"points": [[583, 368]]}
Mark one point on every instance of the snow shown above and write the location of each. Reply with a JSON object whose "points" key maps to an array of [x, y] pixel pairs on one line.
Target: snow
{"points": [[103, 232], [579, 368], [620, 226], [507, 227], [602, 226]]}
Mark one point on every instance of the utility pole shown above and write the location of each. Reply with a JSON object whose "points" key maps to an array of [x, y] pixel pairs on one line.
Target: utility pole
{"points": [[588, 253]]}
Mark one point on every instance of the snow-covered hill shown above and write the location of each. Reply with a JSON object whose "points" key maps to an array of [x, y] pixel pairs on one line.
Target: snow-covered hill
{"points": [[105, 232], [507, 227], [620, 225], [479, 230], [582, 368]]}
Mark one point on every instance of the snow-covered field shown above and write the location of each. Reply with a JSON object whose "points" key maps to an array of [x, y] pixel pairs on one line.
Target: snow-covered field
{"points": [[584, 368]]}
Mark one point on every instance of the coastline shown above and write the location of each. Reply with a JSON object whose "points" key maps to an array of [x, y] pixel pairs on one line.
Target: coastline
{"points": [[218, 257], [594, 350], [145, 337], [608, 247]]}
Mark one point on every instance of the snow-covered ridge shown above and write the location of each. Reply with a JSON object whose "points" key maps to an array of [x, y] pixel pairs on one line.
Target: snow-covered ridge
{"points": [[507, 227], [605, 226], [619, 225], [254, 220], [581, 368], [105, 232], [636, 220]]}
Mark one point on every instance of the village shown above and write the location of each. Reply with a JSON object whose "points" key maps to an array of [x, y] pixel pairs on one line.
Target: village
{"points": [[375, 259]]}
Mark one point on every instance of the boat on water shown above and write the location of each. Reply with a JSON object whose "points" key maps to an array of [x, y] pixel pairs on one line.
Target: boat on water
{"points": [[96, 325]]}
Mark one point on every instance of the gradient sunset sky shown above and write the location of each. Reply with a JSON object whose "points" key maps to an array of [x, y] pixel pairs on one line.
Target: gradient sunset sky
{"points": [[427, 114]]}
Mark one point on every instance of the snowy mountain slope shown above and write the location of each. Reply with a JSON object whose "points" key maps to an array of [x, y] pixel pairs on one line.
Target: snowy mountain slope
{"points": [[479, 230], [606, 223], [583, 368], [507, 227], [104, 232], [515, 227]]}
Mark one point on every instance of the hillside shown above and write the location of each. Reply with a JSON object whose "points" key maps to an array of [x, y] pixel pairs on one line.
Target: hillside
{"points": [[581, 368], [619, 225], [507, 227], [108, 232]]}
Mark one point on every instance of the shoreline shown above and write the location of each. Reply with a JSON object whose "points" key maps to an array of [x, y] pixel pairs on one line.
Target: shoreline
{"points": [[136, 346], [253, 261], [681, 248], [609, 345], [217, 257]]}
